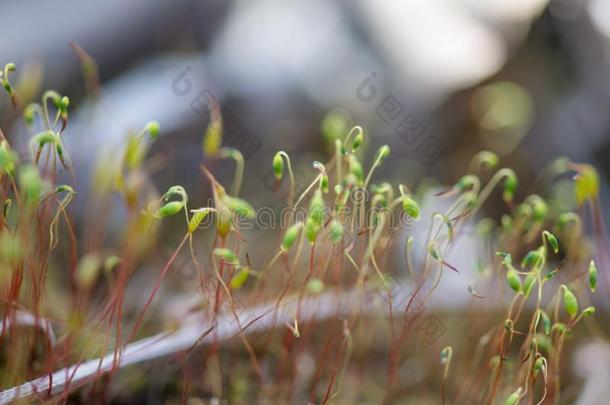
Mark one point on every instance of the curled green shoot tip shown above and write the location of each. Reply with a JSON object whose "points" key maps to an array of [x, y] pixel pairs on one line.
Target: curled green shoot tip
{"points": [[382, 153], [546, 321], [510, 185], [237, 156], [240, 278], [513, 399], [588, 311], [38, 142], [315, 218], [514, 280], [569, 219], [354, 139], [9, 67], [30, 112], [61, 105], [446, 355], [323, 176], [8, 159], [552, 239], [64, 188], [483, 159], [278, 166], [533, 258], [153, 129], [540, 364], [212, 138], [278, 169], [512, 275], [586, 183], [173, 207], [238, 206], [315, 286], [592, 276], [227, 256], [435, 253], [198, 216], [410, 207], [569, 301], [467, 183], [290, 236], [539, 207]]}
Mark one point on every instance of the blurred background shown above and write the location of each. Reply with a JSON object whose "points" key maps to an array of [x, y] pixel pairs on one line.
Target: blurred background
{"points": [[437, 80]]}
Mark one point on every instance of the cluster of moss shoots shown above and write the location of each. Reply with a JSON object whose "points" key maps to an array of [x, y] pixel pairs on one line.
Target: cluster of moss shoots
{"points": [[523, 349]]}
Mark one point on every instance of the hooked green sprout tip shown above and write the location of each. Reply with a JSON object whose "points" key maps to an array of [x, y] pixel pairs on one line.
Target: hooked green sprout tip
{"points": [[513, 399], [278, 166], [510, 185], [9, 67], [586, 184], [153, 129], [169, 209], [533, 258], [357, 133], [487, 158], [291, 235], [514, 280], [198, 216], [315, 286], [64, 188], [240, 278], [569, 301], [546, 321], [227, 256], [358, 138], [324, 183], [212, 138], [382, 153], [315, 218], [560, 327], [538, 365], [172, 207], [592, 276], [467, 182], [552, 241], [239, 206], [410, 207], [224, 221], [539, 207]]}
